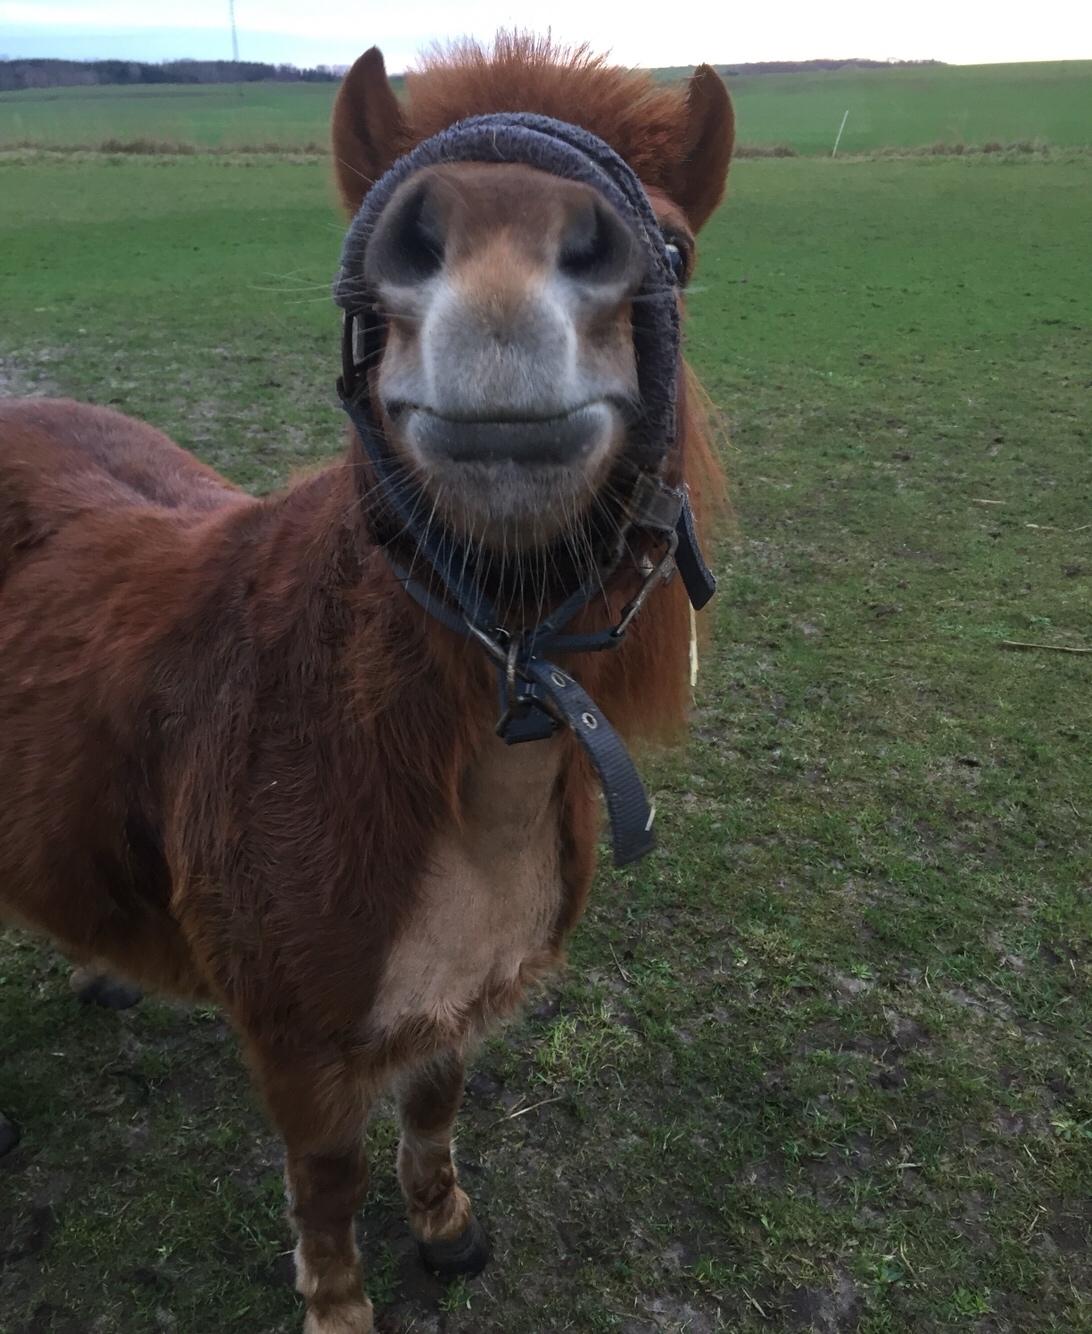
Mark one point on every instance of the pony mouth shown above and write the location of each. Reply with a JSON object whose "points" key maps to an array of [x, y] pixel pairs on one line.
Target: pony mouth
{"points": [[575, 439], [515, 480]]}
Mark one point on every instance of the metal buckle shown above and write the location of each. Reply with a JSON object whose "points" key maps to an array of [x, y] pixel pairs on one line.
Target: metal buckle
{"points": [[653, 504], [661, 572], [527, 714], [515, 705], [510, 669]]}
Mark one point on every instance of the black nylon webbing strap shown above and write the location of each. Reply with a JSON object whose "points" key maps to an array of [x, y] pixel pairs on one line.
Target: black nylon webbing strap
{"points": [[554, 694], [553, 697], [699, 579]]}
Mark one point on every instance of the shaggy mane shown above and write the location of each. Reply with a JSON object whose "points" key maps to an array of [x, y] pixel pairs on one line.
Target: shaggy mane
{"points": [[644, 121]]}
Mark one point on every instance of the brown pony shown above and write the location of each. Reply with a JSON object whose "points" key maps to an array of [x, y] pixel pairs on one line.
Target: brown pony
{"points": [[238, 763]]}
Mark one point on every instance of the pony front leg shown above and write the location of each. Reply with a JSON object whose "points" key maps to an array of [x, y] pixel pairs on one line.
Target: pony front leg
{"points": [[450, 1239], [325, 1191], [320, 1108]]}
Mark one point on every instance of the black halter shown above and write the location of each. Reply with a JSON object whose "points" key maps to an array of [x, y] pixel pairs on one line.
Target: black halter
{"points": [[536, 696]]}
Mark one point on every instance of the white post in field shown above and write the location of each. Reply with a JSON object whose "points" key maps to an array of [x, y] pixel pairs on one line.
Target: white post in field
{"points": [[841, 127]]}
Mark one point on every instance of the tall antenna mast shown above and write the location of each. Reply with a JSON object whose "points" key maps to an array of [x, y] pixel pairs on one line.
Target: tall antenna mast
{"points": [[234, 33]]}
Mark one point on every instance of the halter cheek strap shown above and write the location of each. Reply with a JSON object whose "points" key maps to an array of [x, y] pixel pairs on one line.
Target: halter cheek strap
{"points": [[536, 696]]}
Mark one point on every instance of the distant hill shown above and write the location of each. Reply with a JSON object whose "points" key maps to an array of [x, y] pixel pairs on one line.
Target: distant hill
{"points": [[18, 74], [848, 65]]}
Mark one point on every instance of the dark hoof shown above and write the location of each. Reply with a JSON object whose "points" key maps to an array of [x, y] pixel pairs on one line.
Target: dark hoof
{"points": [[101, 989], [467, 1254], [9, 1135]]}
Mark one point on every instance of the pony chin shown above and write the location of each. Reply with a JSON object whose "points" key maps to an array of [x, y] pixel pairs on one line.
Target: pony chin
{"points": [[509, 505]]}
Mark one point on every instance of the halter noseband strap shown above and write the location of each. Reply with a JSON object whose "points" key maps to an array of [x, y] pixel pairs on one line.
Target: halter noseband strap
{"points": [[537, 696]]}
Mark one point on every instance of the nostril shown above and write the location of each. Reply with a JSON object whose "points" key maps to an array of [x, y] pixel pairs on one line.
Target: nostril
{"points": [[423, 236], [417, 235], [584, 244], [596, 245], [408, 245]]}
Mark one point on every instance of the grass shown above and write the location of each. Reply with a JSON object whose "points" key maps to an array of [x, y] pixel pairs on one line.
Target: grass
{"points": [[822, 1061], [908, 108], [898, 108], [210, 116]]}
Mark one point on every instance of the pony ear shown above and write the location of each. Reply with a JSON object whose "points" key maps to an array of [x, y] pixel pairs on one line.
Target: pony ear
{"points": [[369, 130], [697, 184]]}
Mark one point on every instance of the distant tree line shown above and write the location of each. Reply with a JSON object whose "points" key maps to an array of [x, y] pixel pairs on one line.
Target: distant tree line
{"points": [[16, 74], [808, 66]]}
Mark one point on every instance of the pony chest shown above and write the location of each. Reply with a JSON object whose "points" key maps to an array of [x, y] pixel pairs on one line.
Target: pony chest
{"points": [[483, 923]]}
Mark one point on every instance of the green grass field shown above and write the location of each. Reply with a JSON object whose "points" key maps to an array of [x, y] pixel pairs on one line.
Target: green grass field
{"points": [[901, 108], [820, 1063]]}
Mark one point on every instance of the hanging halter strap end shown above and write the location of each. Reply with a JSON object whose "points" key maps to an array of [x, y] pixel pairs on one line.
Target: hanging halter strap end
{"points": [[627, 805], [698, 578]]}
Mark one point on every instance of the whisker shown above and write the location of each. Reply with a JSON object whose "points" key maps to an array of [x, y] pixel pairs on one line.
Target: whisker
{"points": [[423, 540], [356, 172]]}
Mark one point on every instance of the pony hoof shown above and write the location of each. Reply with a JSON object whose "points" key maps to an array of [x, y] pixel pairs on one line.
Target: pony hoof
{"points": [[353, 1318], [101, 989], [9, 1135], [466, 1254]]}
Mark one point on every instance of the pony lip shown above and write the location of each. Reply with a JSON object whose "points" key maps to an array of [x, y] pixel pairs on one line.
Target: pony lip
{"points": [[397, 409], [497, 418], [531, 441]]}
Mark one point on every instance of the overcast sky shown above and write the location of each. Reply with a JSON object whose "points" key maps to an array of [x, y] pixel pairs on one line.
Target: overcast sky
{"points": [[638, 33]]}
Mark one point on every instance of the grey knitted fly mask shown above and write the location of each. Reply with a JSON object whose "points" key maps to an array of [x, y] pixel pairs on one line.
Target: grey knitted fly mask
{"points": [[574, 154]]}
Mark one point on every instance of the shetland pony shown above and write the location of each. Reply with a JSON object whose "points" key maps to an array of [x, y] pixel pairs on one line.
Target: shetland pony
{"points": [[238, 763]]}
